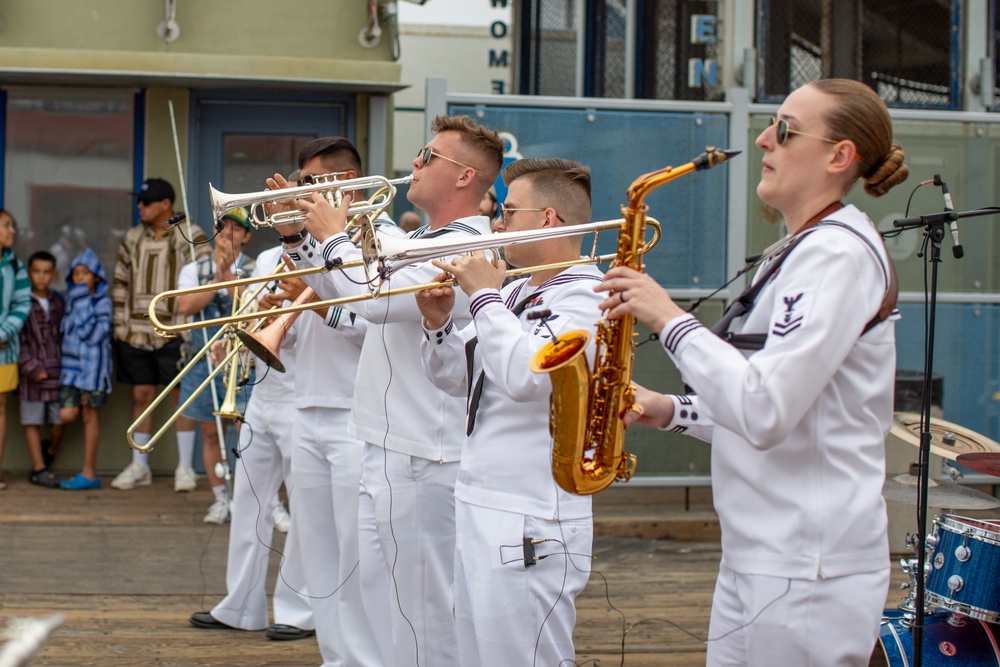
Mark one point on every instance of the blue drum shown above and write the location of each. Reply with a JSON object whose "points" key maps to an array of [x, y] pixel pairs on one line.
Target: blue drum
{"points": [[963, 569], [948, 640]]}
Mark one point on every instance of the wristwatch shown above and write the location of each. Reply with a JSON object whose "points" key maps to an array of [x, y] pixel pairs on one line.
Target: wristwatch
{"points": [[295, 238]]}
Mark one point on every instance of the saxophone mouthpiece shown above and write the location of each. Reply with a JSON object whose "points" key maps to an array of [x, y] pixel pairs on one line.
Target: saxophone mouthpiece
{"points": [[713, 157]]}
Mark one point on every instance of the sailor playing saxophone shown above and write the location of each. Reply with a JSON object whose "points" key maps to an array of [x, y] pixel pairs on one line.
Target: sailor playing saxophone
{"points": [[523, 543]]}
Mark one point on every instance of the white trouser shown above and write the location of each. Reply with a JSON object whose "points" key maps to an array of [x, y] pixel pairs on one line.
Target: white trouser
{"points": [[326, 465], [408, 559], [509, 613], [762, 621], [263, 463]]}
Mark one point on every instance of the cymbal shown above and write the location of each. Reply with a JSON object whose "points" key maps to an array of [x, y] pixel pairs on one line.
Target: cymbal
{"points": [[903, 489], [947, 439], [985, 462]]}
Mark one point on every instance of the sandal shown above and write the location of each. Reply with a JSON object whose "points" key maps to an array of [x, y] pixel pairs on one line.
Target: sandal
{"points": [[80, 483], [44, 478]]}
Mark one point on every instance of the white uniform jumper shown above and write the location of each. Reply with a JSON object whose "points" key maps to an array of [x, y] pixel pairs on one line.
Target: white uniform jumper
{"points": [[512, 610], [326, 466], [264, 461], [797, 431], [412, 434]]}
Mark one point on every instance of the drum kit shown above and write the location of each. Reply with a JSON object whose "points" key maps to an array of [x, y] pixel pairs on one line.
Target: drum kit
{"points": [[962, 570]]}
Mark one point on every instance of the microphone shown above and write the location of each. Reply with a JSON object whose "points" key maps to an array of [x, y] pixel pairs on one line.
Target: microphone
{"points": [[177, 219], [956, 249]]}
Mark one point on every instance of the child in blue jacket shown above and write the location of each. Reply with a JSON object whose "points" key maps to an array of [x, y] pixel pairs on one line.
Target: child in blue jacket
{"points": [[86, 361]]}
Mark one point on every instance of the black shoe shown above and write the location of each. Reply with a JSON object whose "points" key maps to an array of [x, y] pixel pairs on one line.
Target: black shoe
{"points": [[205, 621], [44, 478], [282, 632], [47, 456]]}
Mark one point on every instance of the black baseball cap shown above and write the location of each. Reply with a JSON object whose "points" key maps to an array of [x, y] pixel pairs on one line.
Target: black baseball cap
{"points": [[155, 189]]}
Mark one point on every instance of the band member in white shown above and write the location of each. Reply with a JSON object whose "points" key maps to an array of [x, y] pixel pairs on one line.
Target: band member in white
{"points": [[412, 442], [798, 426], [523, 543], [264, 461]]}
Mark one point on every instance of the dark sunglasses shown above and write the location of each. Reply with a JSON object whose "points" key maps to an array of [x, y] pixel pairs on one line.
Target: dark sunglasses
{"points": [[782, 131], [426, 153]]}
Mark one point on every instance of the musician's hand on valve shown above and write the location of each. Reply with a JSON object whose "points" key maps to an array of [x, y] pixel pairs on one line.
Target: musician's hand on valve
{"points": [[475, 271], [651, 408], [631, 292], [323, 220], [270, 208], [436, 304]]}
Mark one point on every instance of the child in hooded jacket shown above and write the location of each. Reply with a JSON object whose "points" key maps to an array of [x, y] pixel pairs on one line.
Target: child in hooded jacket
{"points": [[86, 361]]}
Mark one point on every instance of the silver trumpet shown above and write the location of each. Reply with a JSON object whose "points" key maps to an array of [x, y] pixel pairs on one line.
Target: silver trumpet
{"points": [[333, 190]]}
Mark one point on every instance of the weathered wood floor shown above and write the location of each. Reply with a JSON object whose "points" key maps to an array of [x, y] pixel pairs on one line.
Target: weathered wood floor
{"points": [[126, 569]]}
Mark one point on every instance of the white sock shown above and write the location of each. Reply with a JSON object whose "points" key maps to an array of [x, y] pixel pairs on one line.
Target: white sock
{"points": [[141, 458], [220, 493], [185, 448]]}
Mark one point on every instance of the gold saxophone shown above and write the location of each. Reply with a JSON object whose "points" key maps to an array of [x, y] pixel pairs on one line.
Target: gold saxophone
{"points": [[588, 448]]}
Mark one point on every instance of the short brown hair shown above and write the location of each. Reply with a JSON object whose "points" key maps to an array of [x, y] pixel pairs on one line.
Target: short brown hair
{"points": [[861, 116], [565, 184], [485, 142]]}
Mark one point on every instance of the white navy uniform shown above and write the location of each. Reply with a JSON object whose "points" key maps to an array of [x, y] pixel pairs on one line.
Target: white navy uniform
{"points": [[413, 436], [797, 431], [326, 466], [510, 612], [264, 461]]}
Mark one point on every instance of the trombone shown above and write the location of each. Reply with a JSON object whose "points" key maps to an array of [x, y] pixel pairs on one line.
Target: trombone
{"points": [[333, 190], [404, 252], [245, 304]]}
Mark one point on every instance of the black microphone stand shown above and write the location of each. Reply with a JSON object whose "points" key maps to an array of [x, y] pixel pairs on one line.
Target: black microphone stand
{"points": [[934, 229]]}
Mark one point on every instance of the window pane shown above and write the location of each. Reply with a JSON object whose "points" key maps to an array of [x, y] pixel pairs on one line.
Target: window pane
{"points": [[249, 160], [902, 48], [68, 175]]}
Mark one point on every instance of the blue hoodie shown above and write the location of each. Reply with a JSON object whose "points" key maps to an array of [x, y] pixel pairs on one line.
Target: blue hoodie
{"points": [[86, 346]]}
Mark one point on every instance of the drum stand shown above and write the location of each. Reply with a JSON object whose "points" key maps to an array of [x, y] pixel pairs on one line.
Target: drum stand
{"points": [[934, 226]]}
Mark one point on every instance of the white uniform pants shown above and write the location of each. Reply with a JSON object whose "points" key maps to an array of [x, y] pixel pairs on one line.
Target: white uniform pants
{"points": [[762, 621], [264, 461], [408, 559], [326, 465], [510, 614]]}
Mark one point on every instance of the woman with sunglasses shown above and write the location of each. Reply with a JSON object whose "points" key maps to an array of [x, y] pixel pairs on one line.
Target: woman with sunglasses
{"points": [[797, 425]]}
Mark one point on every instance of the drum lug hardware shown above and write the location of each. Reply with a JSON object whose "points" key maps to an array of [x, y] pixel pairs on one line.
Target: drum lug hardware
{"points": [[956, 621], [938, 561], [955, 583], [963, 553]]}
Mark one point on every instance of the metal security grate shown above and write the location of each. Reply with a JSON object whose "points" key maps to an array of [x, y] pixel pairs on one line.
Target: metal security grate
{"points": [[907, 50], [548, 47]]}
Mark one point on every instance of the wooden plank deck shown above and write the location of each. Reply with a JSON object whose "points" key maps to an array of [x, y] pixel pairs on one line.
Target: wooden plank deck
{"points": [[126, 569]]}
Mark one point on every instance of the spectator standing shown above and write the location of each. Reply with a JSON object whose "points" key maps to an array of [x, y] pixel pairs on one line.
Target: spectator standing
{"points": [[40, 365], [86, 359], [15, 304]]}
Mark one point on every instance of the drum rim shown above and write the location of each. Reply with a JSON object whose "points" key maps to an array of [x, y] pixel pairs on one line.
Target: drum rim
{"points": [[975, 528], [961, 608]]}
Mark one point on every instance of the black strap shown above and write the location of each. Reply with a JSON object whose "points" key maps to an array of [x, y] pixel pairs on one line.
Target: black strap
{"points": [[745, 301], [475, 393]]}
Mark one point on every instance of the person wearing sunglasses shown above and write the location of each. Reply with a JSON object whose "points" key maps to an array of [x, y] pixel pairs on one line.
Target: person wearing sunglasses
{"points": [[513, 608], [411, 430], [150, 258], [797, 414]]}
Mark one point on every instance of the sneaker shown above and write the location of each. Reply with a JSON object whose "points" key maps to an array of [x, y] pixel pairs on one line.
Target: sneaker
{"points": [[218, 512], [185, 479], [44, 478], [132, 476], [281, 519], [80, 483]]}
